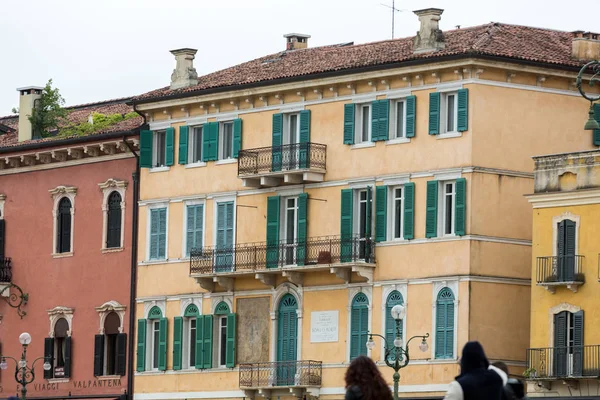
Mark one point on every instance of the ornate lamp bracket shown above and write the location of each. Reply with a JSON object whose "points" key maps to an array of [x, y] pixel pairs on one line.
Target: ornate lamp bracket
{"points": [[594, 68], [16, 298]]}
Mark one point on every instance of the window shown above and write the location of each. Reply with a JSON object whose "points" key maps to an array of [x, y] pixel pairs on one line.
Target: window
{"points": [[566, 266], [224, 236], [444, 321], [57, 348], [155, 338], [110, 345], [195, 145], [359, 325], [398, 119], [224, 332], [356, 207], [111, 331], [568, 344], [113, 213], [159, 154], [194, 227], [363, 123], [63, 234], [292, 128], [192, 332], [222, 340], [362, 227], [158, 234], [187, 339], [449, 113], [226, 140], [114, 216], [393, 299], [447, 207], [289, 229], [397, 212], [152, 341]]}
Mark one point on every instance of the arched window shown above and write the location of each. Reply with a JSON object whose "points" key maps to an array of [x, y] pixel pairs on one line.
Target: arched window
{"points": [[359, 325], [444, 324], [569, 352], [152, 341], [63, 232], [113, 231], [393, 299], [59, 350], [189, 349]]}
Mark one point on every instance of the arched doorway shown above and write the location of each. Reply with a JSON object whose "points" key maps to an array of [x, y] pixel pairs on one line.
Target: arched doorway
{"points": [[287, 340]]}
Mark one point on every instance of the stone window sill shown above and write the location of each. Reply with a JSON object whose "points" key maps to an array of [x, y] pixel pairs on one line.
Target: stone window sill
{"points": [[226, 161], [400, 140], [195, 165], [362, 145], [62, 255], [448, 135], [160, 169], [113, 250], [108, 377]]}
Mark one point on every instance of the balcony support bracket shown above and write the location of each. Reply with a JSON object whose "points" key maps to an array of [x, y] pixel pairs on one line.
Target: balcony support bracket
{"points": [[364, 272], [551, 289], [294, 277], [292, 178], [266, 393], [313, 177], [573, 384], [269, 181], [250, 394], [251, 182], [266, 279], [225, 283], [342, 273], [206, 284], [573, 287]]}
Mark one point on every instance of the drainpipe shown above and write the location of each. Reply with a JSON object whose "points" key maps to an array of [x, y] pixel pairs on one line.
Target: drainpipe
{"points": [[134, 256]]}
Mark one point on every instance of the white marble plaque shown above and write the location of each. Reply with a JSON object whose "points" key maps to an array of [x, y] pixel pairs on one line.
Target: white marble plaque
{"points": [[324, 326]]}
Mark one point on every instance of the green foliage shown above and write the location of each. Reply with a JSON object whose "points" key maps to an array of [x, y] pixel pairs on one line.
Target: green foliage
{"points": [[15, 110], [99, 123], [49, 112], [530, 373]]}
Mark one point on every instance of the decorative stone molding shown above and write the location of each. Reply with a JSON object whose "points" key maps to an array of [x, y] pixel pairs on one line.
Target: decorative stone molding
{"points": [[215, 300], [162, 304], [281, 291], [185, 303], [112, 185], [555, 310], [59, 191], [57, 313], [107, 308], [2, 201]]}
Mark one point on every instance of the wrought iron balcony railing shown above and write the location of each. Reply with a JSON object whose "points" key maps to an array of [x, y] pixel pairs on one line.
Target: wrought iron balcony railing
{"points": [[281, 373], [252, 257], [287, 157], [5, 270], [564, 362], [560, 269]]}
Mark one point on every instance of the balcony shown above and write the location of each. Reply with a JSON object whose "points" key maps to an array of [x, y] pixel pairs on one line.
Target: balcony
{"points": [[288, 164], [5, 276], [560, 271], [565, 363], [265, 261], [292, 378]]}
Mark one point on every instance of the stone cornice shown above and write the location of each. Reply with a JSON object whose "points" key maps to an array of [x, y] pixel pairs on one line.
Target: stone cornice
{"points": [[562, 199], [112, 183], [57, 191]]}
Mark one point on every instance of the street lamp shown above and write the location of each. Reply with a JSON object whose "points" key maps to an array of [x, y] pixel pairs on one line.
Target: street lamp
{"points": [[24, 375], [401, 357], [594, 67]]}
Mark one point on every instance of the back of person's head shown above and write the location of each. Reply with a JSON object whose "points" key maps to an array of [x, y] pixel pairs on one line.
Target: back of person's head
{"points": [[364, 374], [473, 358], [501, 366]]}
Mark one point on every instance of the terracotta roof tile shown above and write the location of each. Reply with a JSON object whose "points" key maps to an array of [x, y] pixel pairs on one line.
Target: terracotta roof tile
{"points": [[493, 39]]}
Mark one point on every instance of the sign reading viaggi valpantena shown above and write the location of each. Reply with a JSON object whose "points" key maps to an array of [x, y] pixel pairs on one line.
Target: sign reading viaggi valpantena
{"points": [[324, 326]]}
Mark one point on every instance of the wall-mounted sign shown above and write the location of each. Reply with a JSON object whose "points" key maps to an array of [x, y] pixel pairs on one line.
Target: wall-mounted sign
{"points": [[96, 383], [324, 326]]}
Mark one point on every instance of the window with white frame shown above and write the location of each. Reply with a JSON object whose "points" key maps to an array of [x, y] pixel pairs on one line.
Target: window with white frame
{"points": [[159, 152], [195, 144], [289, 229], [157, 246], [110, 344], [398, 119], [63, 213], [225, 140], [222, 341], [194, 227], [57, 347], [447, 207], [291, 128], [397, 212], [155, 342], [449, 112], [113, 209], [363, 219], [363, 123]]}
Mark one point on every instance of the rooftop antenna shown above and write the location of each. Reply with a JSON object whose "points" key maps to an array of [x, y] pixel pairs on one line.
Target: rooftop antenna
{"points": [[394, 10]]}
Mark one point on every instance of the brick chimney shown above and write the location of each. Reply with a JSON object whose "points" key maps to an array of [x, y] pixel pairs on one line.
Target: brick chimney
{"points": [[295, 41], [27, 101], [586, 46], [184, 74], [430, 36]]}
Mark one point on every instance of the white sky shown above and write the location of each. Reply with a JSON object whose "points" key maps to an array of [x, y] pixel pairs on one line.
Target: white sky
{"points": [[114, 48]]}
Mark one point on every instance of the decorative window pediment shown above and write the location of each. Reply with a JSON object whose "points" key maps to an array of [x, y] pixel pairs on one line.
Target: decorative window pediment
{"points": [[61, 312], [107, 308]]}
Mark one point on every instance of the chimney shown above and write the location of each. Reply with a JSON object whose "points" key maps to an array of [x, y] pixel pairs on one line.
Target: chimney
{"points": [[295, 41], [27, 101], [184, 74], [586, 46], [429, 37]]}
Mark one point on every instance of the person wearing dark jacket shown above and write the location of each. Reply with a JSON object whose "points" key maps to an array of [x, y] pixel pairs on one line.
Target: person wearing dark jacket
{"points": [[514, 389], [478, 380], [364, 381]]}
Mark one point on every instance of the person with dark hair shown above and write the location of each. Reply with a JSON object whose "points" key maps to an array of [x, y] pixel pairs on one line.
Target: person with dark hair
{"points": [[514, 388], [478, 380], [364, 381]]}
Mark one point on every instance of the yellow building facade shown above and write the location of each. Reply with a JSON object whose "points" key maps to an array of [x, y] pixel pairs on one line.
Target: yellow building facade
{"points": [[563, 359], [282, 218]]}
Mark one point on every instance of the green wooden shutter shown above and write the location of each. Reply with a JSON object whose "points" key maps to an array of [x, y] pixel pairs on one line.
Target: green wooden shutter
{"points": [[444, 335], [231, 341], [141, 345], [349, 123], [277, 141], [214, 141], [597, 118], [460, 207], [206, 142], [207, 341], [359, 325], [177, 343], [463, 110], [98, 355], [354, 332], [273, 210], [411, 114], [301, 228], [162, 344], [304, 152], [375, 120], [237, 136], [170, 146], [49, 357], [434, 113], [578, 352], [194, 227], [146, 142], [380, 110], [162, 233], [68, 356], [381, 213], [369, 216], [183, 144], [409, 211], [121, 354], [199, 342], [393, 299], [346, 249], [560, 343], [431, 212]]}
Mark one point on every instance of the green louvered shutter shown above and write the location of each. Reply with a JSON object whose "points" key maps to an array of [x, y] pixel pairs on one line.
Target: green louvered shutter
{"points": [[277, 142], [359, 325], [381, 213], [393, 299], [409, 211], [463, 110], [170, 146], [354, 332], [231, 341], [444, 335], [349, 123], [146, 141], [560, 344], [434, 113], [346, 226], [162, 344], [177, 342], [369, 216], [302, 227], [578, 352], [183, 144], [431, 211], [380, 120], [199, 342], [460, 206], [411, 114], [304, 152], [206, 142], [597, 118], [237, 137], [375, 120], [162, 237], [141, 345], [273, 231], [214, 141], [207, 342]]}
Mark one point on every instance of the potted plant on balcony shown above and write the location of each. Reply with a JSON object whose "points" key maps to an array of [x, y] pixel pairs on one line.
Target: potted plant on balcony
{"points": [[530, 373]]}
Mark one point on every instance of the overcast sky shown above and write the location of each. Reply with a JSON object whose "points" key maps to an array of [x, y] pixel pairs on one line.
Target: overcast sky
{"points": [[115, 48]]}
